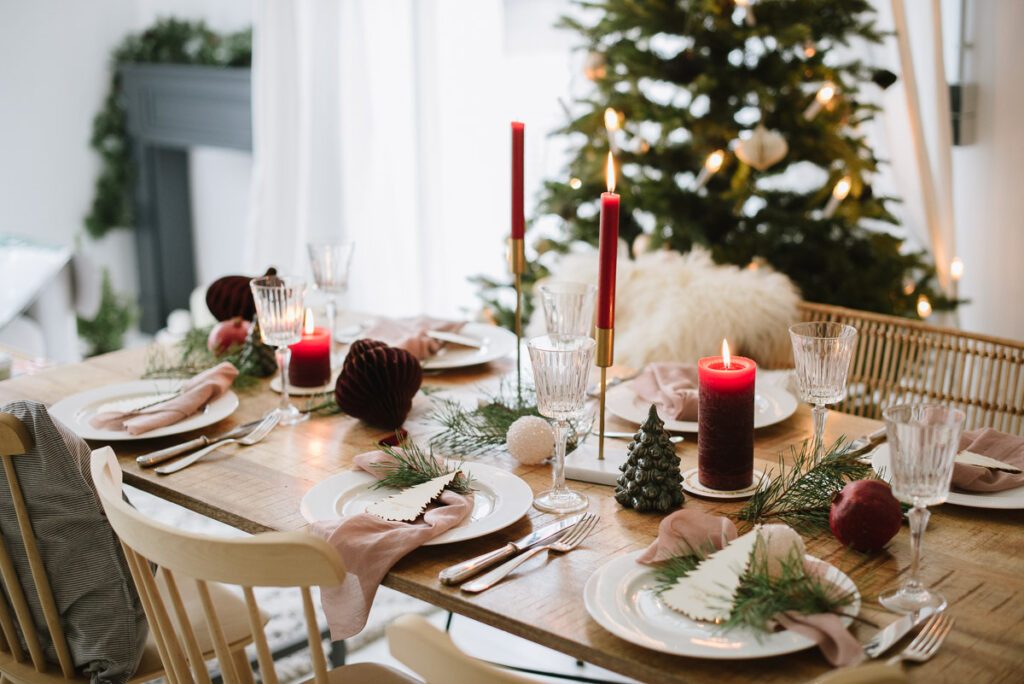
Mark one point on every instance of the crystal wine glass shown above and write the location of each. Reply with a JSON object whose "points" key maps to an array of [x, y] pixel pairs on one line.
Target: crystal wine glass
{"points": [[561, 368], [331, 262], [822, 353], [923, 441], [280, 311], [568, 308]]}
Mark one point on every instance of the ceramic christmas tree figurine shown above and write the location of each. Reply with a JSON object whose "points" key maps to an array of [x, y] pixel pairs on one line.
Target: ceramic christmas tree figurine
{"points": [[650, 479]]}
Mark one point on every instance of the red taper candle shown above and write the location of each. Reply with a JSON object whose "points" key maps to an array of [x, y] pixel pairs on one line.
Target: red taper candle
{"points": [[518, 217], [608, 252]]}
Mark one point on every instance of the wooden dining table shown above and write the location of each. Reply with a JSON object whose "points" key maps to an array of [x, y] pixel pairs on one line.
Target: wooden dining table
{"points": [[974, 557]]}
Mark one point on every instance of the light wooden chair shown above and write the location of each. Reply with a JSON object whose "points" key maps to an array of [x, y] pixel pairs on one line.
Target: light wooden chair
{"points": [[898, 360], [430, 653], [16, 440], [276, 559]]}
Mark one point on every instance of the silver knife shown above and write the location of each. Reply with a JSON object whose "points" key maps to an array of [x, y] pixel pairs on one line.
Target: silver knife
{"points": [[885, 639], [457, 574], [155, 457]]}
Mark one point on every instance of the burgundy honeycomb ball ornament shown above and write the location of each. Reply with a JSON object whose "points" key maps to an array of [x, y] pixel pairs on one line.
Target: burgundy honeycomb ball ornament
{"points": [[231, 296], [377, 383]]}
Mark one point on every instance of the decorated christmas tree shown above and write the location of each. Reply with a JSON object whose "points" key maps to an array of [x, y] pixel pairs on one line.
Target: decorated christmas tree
{"points": [[738, 126], [650, 479]]}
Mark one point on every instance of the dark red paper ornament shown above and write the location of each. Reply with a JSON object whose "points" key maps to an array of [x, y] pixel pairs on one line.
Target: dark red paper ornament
{"points": [[377, 383], [231, 296]]}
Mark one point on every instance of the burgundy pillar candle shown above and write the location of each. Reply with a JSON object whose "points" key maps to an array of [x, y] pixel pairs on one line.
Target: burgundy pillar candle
{"points": [[310, 364], [725, 421]]}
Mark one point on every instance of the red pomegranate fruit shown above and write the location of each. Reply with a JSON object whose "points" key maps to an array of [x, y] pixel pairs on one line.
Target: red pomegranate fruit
{"points": [[865, 515], [227, 335]]}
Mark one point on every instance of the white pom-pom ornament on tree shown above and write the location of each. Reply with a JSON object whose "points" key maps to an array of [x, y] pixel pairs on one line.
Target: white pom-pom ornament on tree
{"points": [[530, 440]]}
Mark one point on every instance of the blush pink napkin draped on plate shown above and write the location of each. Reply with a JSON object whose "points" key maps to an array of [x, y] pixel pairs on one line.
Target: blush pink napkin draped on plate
{"points": [[410, 334], [994, 444], [687, 530], [195, 394], [369, 546], [672, 387]]}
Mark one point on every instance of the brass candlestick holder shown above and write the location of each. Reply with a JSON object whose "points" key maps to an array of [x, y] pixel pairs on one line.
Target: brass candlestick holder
{"points": [[604, 358], [517, 262]]}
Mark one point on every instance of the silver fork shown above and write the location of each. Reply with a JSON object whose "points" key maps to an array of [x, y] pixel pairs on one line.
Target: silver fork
{"points": [[926, 643], [257, 435], [569, 541]]}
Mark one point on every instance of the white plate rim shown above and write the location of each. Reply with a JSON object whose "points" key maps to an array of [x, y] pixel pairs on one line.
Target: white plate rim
{"points": [[1006, 500], [503, 343], [620, 401], [513, 504], [67, 410], [621, 571]]}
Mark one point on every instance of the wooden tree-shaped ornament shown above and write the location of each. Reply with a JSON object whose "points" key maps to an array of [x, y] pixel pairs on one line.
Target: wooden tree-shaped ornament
{"points": [[650, 479]]}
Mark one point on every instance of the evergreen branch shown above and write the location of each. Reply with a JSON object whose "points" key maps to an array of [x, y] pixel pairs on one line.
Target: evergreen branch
{"points": [[800, 495], [412, 467], [192, 356], [481, 430], [761, 594]]}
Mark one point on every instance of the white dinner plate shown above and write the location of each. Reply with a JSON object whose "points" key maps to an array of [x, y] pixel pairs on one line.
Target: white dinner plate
{"points": [[499, 499], [1007, 499], [772, 405], [620, 596], [495, 343], [77, 410]]}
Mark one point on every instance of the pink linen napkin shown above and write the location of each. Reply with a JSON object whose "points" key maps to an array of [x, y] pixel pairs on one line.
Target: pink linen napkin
{"points": [[410, 334], [195, 394], [369, 546], [672, 387], [994, 444], [687, 530]]}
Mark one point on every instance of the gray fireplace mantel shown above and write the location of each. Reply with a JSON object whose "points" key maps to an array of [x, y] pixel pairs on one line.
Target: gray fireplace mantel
{"points": [[171, 108]]}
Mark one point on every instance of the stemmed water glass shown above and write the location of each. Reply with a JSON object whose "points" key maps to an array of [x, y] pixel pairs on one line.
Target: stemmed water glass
{"points": [[923, 441], [821, 354], [561, 368], [568, 308], [331, 262], [280, 311]]}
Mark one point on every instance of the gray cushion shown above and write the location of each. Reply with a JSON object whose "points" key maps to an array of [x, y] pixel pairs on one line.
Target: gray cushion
{"points": [[100, 609]]}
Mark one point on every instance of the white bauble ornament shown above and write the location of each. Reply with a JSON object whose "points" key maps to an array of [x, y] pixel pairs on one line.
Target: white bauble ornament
{"points": [[762, 149], [530, 440]]}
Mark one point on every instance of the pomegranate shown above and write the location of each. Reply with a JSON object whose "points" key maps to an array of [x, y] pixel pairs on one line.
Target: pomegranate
{"points": [[865, 515], [227, 335]]}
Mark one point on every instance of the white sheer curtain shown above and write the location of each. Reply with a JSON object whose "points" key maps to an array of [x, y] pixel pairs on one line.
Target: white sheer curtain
{"points": [[386, 122]]}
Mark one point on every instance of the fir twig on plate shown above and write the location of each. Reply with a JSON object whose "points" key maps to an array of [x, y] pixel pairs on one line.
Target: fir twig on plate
{"points": [[800, 494], [412, 467], [191, 357], [481, 430], [761, 596]]}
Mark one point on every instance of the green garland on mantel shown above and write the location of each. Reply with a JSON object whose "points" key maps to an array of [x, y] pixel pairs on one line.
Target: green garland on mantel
{"points": [[169, 41]]}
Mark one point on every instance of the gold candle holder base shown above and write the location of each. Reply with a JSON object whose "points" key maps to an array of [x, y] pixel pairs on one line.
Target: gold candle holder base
{"points": [[517, 263], [604, 356]]}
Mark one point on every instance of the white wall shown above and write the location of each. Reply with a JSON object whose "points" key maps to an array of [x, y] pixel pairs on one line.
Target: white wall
{"points": [[988, 191]]}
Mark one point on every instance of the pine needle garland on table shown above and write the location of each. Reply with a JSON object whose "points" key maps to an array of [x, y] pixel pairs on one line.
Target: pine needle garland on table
{"points": [[800, 495], [191, 356], [761, 596], [412, 467], [481, 430]]}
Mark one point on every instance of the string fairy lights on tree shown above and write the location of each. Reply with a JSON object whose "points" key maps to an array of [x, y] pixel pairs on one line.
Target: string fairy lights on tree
{"points": [[738, 126]]}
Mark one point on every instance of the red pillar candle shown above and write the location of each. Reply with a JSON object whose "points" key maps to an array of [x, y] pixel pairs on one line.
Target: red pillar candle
{"points": [[725, 421], [518, 217], [310, 364], [608, 252]]}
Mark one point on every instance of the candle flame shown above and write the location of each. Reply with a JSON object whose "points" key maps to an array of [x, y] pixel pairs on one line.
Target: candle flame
{"points": [[956, 269], [826, 92], [309, 324], [726, 357], [714, 161], [610, 173], [842, 188], [611, 119]]}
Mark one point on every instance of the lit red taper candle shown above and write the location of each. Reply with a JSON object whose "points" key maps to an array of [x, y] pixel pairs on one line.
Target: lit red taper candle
{"points": [[608, 253], [517, 248]]}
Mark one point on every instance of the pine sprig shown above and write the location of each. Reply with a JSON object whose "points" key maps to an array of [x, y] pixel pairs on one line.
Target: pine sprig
{"points": [[192, 356], [762, 595], [800, 495], [481, 430], [412, 467]]}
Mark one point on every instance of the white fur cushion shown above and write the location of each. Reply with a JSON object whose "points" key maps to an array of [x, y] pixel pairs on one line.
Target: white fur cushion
{"points": [[678, 307]]}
